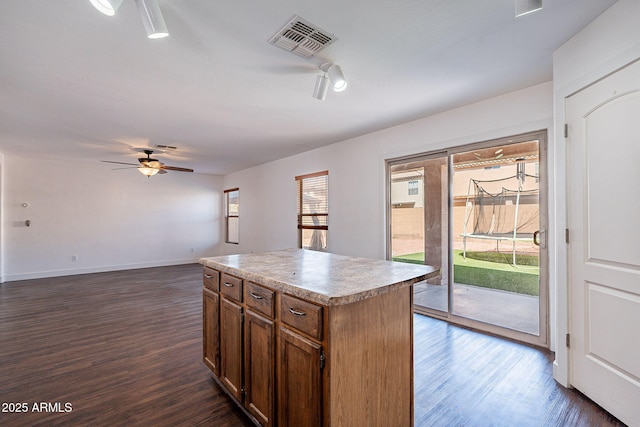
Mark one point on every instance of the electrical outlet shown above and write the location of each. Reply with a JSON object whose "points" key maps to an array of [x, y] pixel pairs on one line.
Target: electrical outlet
{"points": [[74, 257]]}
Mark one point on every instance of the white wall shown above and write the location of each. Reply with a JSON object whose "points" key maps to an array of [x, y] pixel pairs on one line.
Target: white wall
{"points": [[357, 173], [357, 191], [607, 44], [109, 219]]}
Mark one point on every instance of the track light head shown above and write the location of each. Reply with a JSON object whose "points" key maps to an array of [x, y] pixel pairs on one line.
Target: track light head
{"points": [[152, 19], [321, 87], [108, 7], [335, 74]]}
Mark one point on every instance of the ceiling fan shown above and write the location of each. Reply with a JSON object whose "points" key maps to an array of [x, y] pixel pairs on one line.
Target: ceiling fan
{"points": [[149, 167]]}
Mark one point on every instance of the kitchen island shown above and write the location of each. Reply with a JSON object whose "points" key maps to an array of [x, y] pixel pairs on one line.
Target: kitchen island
{"points": [[304, 338]]}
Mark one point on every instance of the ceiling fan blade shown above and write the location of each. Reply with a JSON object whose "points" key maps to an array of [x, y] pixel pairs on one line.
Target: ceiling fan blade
{"points": [[175, 168], [162, 171], [119, 163]]}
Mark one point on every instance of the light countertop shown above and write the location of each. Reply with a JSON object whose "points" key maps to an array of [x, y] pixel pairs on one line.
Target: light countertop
{"points": [[321, 277]]}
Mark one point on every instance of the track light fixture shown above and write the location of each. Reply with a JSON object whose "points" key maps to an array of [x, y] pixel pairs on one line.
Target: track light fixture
{"points": [[152, 19], [332, 75], [108, 7], [150, 14], [321, 87], [335, 74], [524, 7]]}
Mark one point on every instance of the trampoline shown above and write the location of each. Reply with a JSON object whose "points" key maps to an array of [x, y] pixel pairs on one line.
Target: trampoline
{"points": [[493, 211]]}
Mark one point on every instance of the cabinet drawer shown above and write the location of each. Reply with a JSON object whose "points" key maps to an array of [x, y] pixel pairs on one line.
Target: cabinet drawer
{"points": [[231, 286], [301, 315], [211, 279], [259, 299]]}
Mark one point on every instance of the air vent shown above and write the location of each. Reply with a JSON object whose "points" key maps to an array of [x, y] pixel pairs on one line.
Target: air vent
{"points": [[302, 38]]}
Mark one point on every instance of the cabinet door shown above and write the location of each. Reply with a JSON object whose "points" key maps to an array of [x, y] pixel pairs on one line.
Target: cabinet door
{"points": [[231, 347], [299, 381], [211, 330], [259, 371]]}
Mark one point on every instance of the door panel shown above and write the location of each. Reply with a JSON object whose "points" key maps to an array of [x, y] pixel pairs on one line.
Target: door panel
{"points": [[419, 224], [612, 171], [260, 367], [211, 336], [604, 260], [604, 347], [496, 213], [231, 346], [299, 381]]}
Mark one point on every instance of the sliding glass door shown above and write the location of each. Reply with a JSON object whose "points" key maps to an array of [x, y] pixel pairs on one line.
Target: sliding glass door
{"points": [[478, 214], [419, 223]]}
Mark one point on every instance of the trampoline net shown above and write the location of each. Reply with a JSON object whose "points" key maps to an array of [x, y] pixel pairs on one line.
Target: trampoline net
{"points": [[500, 211]]}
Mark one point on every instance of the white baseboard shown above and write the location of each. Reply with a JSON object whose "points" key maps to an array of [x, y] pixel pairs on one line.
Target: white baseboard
{"points": [[96, 269]]}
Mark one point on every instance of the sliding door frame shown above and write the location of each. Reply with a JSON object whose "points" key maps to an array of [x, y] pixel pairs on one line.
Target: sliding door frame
{"points": [[541, 340], [418, 158]]}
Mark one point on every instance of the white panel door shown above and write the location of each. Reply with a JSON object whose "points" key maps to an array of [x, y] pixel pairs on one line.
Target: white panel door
{"points": [[603, 176]]}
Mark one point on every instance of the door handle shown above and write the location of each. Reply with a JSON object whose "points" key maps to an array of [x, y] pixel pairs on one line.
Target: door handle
{"points": [[537, 240]]}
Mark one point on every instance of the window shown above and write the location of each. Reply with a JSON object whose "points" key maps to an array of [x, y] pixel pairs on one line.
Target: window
{"points": [[232, 207], [413, 188], [313, 210]]}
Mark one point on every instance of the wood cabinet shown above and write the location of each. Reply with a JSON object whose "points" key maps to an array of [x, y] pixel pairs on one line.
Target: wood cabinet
{"points": [[231, 318], [211, 320], [211, 330], [297, 349], [239, 341], [260, 341], [300, 380], [291, 362], [260, 353], [301, 363]]}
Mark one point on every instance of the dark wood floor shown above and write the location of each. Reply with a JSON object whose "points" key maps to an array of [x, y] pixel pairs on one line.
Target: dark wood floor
{"points": [[465, 378], [124, 349]]}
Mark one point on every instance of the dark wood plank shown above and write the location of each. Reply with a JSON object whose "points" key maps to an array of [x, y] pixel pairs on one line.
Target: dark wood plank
{"points": [[125, 349], [466, 378]]}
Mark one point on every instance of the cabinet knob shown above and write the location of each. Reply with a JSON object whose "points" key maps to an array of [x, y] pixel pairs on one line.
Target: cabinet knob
{"points": [[229, 285]]}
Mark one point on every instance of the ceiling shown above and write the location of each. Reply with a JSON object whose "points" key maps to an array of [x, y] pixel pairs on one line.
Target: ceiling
{"points": [[79, 85]]}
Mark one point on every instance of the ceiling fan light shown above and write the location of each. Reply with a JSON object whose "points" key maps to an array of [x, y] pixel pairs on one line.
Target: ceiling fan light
{"points": [[321, 87], [148, 172], [152, 19], [108, 7]]}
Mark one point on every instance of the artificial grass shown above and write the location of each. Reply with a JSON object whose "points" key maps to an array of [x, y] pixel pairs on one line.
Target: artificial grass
{"points": [[504, 257], [495, 275], [411, 258]]}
